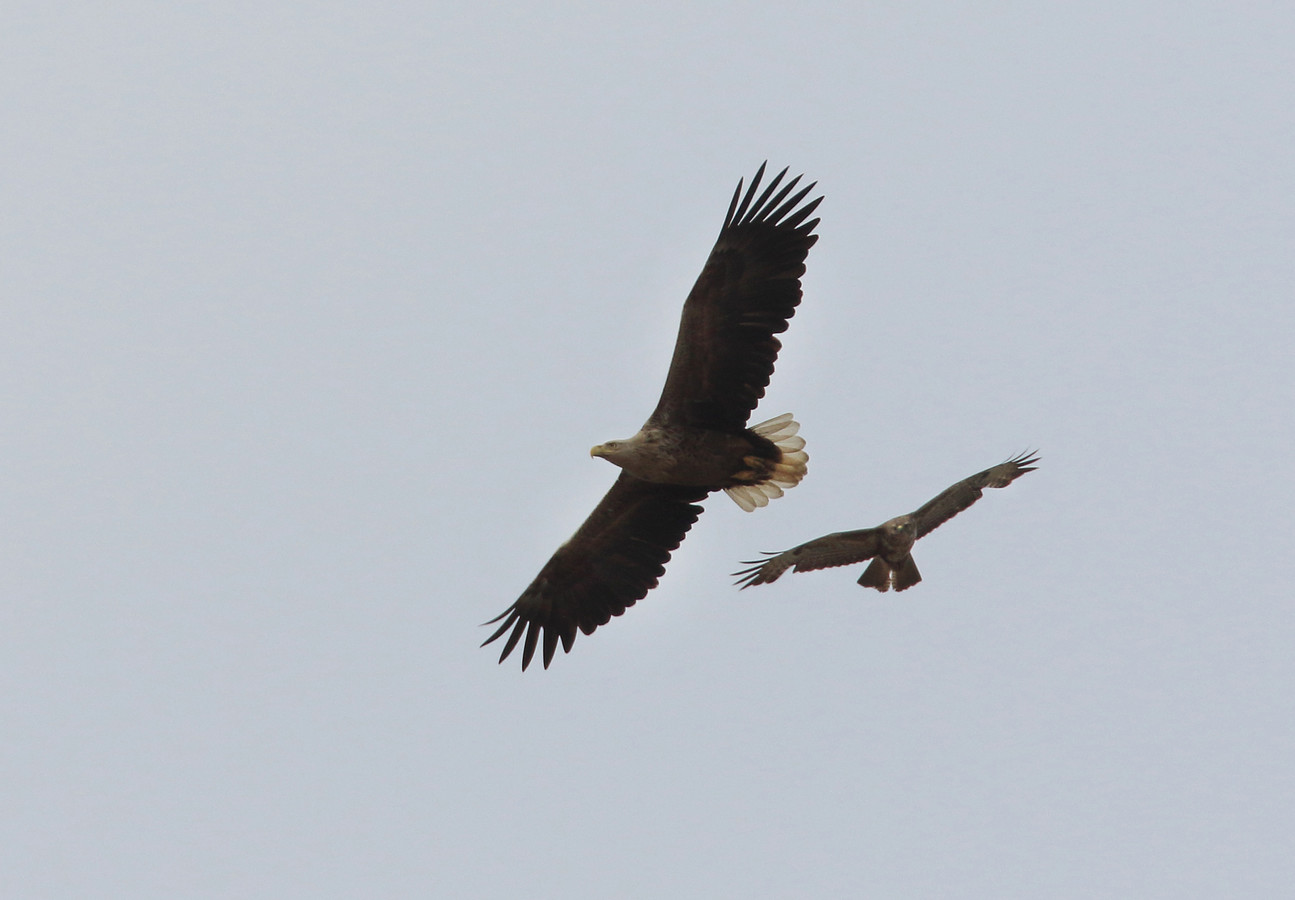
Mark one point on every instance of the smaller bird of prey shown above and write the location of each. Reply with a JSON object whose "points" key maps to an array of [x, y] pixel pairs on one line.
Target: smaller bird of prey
{"points": [[890, 544]]}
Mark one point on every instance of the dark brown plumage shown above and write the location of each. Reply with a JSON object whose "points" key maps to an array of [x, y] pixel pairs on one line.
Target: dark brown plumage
{"points": [[890, 544], [696, 440]]}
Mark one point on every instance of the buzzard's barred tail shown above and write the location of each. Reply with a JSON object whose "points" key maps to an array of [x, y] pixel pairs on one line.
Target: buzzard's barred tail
{"points": [[906, 574], [877, 575], [790, 468]]}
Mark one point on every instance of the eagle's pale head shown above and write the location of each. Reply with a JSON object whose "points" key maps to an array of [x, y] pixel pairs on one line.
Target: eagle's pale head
{"points": [[609, 451], [620, 453], [632, 454]]}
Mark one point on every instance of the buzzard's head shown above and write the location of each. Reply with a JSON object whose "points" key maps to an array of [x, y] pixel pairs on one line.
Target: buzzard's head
{"points": [[899, 534], [899, 525]]}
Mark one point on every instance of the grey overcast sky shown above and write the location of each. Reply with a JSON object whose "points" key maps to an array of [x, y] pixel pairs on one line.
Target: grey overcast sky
{"points": [[310, 315]]}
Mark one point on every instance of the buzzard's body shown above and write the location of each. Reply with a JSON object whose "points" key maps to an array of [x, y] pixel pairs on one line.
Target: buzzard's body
{"points": [[696, 440], [890, 544]]}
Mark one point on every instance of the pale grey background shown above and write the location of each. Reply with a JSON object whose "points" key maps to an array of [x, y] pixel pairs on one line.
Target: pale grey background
{"points": [[312, 312]]}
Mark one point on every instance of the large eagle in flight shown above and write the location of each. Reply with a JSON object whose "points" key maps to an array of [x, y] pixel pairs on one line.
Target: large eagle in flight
{"points": [[696, 440], [890, 544]]}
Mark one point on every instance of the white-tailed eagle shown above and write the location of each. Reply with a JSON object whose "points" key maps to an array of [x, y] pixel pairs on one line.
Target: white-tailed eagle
{"points": [[889, 545], [696, 440]]}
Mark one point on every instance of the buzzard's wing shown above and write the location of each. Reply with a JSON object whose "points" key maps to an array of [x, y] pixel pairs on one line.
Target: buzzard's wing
{"points": [[746, 292], [951, 501], [839, 549], [609, 564]]}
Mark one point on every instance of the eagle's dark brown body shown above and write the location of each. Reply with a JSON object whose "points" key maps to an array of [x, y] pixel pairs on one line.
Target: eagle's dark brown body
{"points": [[687, 455]]}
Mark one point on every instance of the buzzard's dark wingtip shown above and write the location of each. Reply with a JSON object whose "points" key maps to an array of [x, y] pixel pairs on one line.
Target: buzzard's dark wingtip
{"points": [[752, 576], [1025, 461]]}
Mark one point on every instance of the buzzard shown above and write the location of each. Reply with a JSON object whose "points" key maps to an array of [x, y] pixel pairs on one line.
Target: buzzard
{"points": [[890, 544], [696, 440]]}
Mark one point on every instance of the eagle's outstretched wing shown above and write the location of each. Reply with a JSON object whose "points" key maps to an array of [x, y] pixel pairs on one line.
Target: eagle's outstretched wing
{"points": [[746, 293], [953, 500], [839, 549], [608, 565]]}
